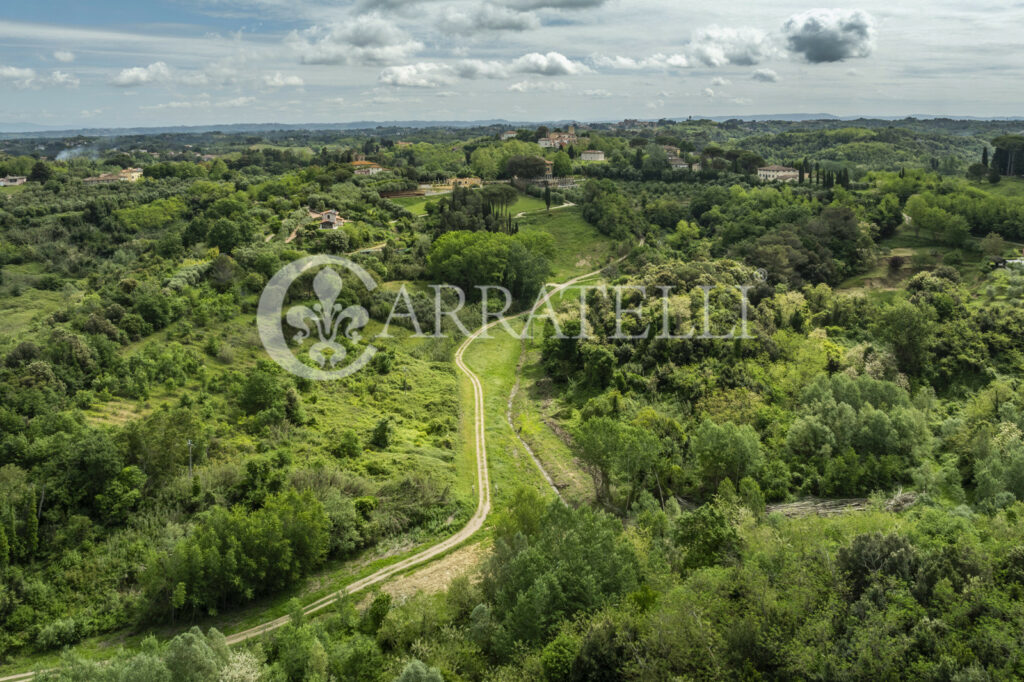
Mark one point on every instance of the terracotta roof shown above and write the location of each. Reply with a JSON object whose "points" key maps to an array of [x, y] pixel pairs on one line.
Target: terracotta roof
{"points": [[364, 163], [778, 168]]}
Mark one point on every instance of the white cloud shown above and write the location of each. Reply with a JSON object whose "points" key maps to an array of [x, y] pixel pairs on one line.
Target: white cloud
{"points": [[550, 64], [597, 93], [434, 74], [718, 46], [654, 62], [421, 75], [708, 92], [485, 18], [365, 40], [526, 86], [719, 81], [765, 76], [478, 68], [64, 56], [237, 102], [279, 80], [554, 4], [23, 78], [20, 78], [830, 35], [181, 104], [61, 78], [156, 72]]}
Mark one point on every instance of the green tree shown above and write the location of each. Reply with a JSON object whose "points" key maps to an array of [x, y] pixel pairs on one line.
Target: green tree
{"points": [[40, 172], [725, 451], [562, 165], [417, 671], [993, 245]]}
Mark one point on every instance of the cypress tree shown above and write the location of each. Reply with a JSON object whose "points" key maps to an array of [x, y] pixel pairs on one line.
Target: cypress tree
{"points": [[984, 157], [5, 549], [31, 525]]}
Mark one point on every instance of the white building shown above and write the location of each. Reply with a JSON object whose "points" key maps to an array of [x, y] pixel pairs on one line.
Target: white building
{"points": [[508, 135], [677, 163], [592, 155], [778, 174], [13, 181]]}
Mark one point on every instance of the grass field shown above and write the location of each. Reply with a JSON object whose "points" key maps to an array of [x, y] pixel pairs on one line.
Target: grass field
{"points": [[579, 247], [533, 414], [526, 204], [19, 312], [417, 205], [1007, 187]]}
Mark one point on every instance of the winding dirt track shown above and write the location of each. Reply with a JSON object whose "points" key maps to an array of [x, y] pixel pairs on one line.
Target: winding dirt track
{"points": [[483, 486], [483, 505]]}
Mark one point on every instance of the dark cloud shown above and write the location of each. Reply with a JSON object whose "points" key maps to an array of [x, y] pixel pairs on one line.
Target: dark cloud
{"points": [[830, 35]]}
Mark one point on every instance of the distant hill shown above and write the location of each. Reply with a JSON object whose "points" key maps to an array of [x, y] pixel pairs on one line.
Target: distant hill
{"points": [[9, 129]]}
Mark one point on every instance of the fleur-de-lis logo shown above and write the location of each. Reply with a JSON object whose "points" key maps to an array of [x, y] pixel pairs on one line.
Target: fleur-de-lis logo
{"points": [[327, 317]]}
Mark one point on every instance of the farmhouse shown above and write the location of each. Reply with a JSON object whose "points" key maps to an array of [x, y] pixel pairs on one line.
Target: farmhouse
{"points": [[778, 173], [366, 168], [124, 175], [328, 220], [592, 155], [678, 163], [13, 181], [508, 135]]}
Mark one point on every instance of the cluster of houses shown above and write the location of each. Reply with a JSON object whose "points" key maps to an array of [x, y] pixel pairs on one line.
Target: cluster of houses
{"points": [[13, 181], [559, 140], [124, 175]]}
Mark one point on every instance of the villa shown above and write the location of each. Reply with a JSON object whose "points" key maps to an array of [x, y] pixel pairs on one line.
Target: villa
{"points": [[778, 173]]}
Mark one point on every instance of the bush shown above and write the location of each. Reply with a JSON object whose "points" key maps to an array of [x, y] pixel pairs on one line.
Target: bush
{"points": [[345, 443], [60, 633]]}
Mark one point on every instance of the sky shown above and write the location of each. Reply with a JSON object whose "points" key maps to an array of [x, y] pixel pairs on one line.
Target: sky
{"points": [[195, 62]]}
